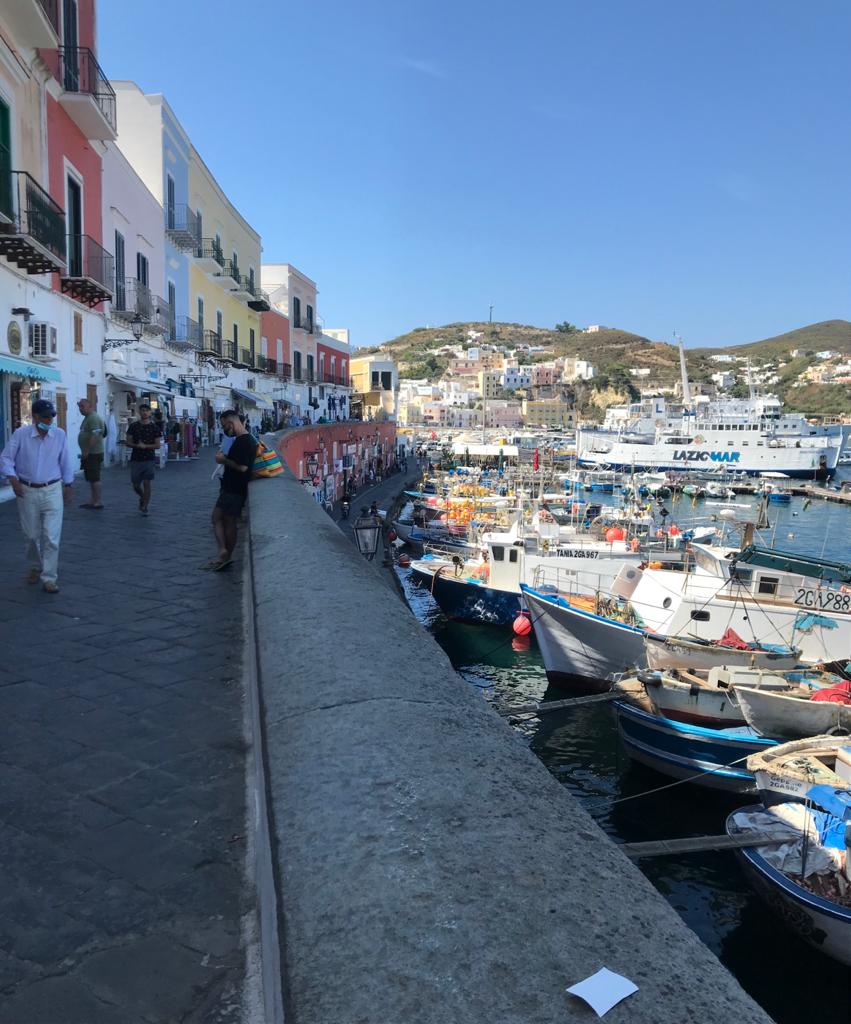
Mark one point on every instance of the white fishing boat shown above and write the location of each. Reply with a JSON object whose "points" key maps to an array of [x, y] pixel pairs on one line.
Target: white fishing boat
{"points": [[805, 877], [803, 712], [751, 435], [706, 698], [665, 652], [802, 769]]}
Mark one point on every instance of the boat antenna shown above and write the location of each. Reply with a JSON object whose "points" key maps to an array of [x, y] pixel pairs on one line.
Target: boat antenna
{"points": [[678, 341]]}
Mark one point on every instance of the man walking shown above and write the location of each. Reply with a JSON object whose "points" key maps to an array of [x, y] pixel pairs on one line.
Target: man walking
{"points": [[144, 437], [40, 469], [90, 439], [234, 487]]}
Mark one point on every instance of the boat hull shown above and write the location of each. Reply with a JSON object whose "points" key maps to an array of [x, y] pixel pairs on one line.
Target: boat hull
{"points": [[698, 705], [580, 649], [714, 758], [467, 601], [773, 714], [820, 923], [666, 653]]}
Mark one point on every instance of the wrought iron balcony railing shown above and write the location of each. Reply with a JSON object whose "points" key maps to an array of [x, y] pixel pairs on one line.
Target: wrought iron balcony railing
{"points": [[209, 256], [132, 299], [229, 350], [212, 342], [188, 333], [285, 371], [246, 357], [181, 226], [79, 72], [89, 275], [32, 225]]}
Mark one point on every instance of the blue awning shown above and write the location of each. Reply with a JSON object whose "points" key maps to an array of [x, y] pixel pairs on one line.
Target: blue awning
{"points": [[24, 368]]}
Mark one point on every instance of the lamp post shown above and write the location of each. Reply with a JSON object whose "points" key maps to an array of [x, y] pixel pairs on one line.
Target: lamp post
{"points": [[367, 531], [136, 326]]}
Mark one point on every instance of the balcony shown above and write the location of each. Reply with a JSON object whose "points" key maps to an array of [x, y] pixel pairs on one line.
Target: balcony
{"points": [[267, 365], [187, 334], [229, 351], [246, 358], [331, 378], [227, 275], [34, 22], [89, 275], [212, 343], [285, 371], [162, 317], [88, 98], [303, 323], [208, 256], [259, 300], [244, 289], [181, 226], [32, 225], [132, 299]]}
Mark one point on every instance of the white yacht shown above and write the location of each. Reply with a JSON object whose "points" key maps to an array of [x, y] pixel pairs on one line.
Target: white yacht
{"points": [[744, 435]]}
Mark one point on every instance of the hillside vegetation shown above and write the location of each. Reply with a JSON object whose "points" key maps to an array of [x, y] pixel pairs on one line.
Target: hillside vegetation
{"points": [[614, 352]]}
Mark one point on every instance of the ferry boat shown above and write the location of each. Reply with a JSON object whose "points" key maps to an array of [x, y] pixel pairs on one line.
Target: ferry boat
{"points": [[752, 435]]}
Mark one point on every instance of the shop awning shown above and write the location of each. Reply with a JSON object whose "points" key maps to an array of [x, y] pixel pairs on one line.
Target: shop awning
{"points": [[253, 397], [156, 387], [24, 368]]}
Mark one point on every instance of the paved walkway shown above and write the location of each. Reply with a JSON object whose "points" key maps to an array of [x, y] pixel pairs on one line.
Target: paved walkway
{"points": [[122, 788]]}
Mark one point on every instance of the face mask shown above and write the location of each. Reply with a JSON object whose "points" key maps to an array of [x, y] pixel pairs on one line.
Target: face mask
{"points": [[45, 428]]}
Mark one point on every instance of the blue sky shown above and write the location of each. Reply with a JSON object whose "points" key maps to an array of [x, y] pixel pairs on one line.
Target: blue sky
{"points": [[657, 166]]}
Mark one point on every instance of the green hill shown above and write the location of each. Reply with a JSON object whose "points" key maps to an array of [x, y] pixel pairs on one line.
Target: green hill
{"points": [[828, 334]]}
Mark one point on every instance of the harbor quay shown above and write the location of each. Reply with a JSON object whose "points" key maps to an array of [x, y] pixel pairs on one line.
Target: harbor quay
{"points": [[217, 810]]}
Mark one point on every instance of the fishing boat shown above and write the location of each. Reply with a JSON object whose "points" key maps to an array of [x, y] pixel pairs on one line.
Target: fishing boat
{"points": [[808, 710], [694, 654], [708, 698], [802, 770], [713, 758], [802, 879]]}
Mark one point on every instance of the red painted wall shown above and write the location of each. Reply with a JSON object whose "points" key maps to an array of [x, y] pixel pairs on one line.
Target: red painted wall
{"points": [[295, 445], [274, 326], [331, 352]]}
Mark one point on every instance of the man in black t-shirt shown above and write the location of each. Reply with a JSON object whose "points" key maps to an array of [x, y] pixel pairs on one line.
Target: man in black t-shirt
{"points": [[144, 437], [234, 491]]}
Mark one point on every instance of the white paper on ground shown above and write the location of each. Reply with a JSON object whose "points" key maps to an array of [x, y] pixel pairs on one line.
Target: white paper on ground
{"points": [[603, 990]]}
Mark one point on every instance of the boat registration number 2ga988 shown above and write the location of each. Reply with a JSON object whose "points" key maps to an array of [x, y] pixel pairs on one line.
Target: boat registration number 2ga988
{"points": [[825, 600]]}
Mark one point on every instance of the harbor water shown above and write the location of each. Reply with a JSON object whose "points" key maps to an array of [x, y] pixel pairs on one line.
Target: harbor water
{"points": [[793, 982]]}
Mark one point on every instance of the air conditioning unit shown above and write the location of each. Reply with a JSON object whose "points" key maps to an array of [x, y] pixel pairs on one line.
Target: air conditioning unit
{"points": [[43, 340]]}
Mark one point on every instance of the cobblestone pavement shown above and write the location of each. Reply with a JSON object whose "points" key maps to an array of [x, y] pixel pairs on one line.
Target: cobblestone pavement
{"points": [[122, 789]]}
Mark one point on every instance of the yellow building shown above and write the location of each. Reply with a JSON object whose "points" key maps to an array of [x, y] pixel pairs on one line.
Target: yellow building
{"points": [[224, 277], [490, 383], [375, 385], [547, 412]]}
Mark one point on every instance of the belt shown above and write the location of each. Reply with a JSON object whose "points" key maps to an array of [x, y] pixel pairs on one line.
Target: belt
{"points": [[26, 483]]}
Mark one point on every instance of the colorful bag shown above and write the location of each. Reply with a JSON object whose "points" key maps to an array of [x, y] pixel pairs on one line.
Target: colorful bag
{"points": [[266, 462]]}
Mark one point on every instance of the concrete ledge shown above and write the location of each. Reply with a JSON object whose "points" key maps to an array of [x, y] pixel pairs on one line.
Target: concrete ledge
{"points": [[430, 869]]}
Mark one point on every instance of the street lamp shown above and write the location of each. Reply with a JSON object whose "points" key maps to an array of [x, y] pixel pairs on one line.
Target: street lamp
{"points": [[137, 325], [312, 465], [367, 531]]}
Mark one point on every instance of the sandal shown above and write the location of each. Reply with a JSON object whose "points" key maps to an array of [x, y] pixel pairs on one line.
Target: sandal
{"points": [[222, 565]]}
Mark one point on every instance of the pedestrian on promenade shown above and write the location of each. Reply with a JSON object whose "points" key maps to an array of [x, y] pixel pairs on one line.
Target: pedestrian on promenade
{"points": [[144, 437], [234, 487], [91, 440], [40, 469]]}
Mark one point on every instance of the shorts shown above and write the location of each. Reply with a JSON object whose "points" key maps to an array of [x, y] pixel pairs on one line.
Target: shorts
{"points": [[140, 471], [92, 465], [231, 504]]}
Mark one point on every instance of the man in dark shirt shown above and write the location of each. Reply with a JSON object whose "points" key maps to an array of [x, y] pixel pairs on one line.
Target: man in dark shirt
{"points": [[144, 438], [234, 490]]}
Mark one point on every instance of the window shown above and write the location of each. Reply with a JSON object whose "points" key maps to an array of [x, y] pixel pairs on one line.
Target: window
{"points": [[251, 279], [387, 380], [375, 380], [200, 313], [199, 224], [220, 327], [74, 220], [296, 312], [700, 616], [322, 366], [78, 332], [235, 262], [310, 318], [169, 200], [498, 553], [512, 555], [310, 367], [297, 365], [236, 339], [251, 341], [142, 268], [172, 309], [43, 339], [120, 293], [768, 584]]}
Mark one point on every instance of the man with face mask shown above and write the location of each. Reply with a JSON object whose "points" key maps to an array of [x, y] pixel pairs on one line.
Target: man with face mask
{"points": [[38, 463]]}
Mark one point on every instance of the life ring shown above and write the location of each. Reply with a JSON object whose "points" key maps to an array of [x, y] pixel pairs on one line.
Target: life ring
{"points": [[698, 439]]}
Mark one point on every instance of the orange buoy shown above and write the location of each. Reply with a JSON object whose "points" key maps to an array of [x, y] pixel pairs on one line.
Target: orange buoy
{"points": [[522, 625], [404, 561], [614, 533], [673, 530]]}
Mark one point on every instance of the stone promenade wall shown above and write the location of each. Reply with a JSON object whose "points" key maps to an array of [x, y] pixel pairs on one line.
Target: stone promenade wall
{"points": [[430, 869]]}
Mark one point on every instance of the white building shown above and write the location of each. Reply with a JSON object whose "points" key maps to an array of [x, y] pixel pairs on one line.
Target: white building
{"points": [[723, 379]]}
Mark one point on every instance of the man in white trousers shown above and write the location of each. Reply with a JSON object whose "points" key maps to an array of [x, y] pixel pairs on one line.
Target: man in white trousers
{"points": [[40, 469]]}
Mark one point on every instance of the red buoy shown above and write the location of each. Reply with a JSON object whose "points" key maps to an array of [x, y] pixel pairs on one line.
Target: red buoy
{"points": [[614, 533], [522, 625], [392, 535], [404, 561]]}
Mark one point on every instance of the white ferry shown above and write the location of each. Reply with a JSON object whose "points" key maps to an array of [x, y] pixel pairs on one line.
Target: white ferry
{"points": [[749, 435]]}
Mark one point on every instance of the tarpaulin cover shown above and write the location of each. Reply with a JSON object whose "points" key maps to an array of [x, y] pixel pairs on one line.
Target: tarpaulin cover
{"points": [[732, 639]]}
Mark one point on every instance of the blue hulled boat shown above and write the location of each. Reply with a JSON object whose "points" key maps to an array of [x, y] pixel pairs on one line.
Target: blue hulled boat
{"points": [[683, 750]]}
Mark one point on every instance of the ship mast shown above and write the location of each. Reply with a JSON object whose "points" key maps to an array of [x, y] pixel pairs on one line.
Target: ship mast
{"points": [[678, 341]]}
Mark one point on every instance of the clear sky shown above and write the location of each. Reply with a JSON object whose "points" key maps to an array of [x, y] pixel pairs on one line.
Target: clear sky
{"points": [[653, 165]]}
